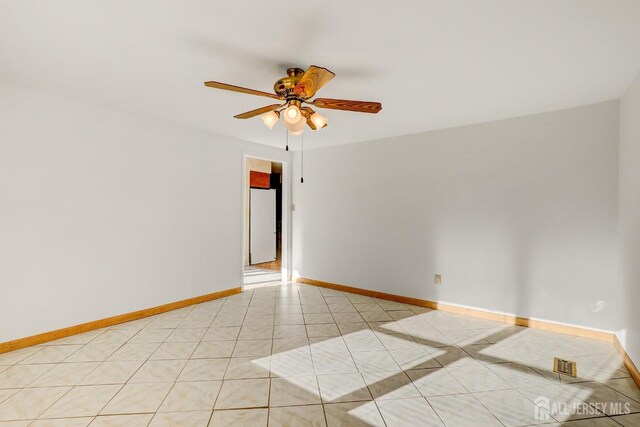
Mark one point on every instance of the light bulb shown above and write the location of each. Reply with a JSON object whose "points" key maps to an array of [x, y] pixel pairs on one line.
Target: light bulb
{"points": [[292, 114], [270, 119], [318, 120]]}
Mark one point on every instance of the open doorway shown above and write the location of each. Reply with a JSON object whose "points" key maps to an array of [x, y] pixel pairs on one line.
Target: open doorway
{"points": [[263, 221]]}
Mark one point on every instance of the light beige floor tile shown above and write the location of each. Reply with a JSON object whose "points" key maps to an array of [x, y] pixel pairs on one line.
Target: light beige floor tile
{"points": [[518, 375], [174, 350], [289, 331], [356, 414], [510, 407], [298, 416], [591, 422], [323, 330], [19, 376], [191, 396], [625, 386], [285, 344], [256, 332], [22, 423], [333, 363], [315, 308], [343, 388], [112, 373], [91, 352], [463, 410], [240, 418], [65, 374], [51, 354], [406, 412], [453, 357], [182, 419], [415, 359], [138, 420], [13, 357], [561, 402], [632, 420], [363, 341], [158, 371], [63, 422], [114, 336], [138, 398], [222, 333], [311, 319], [204, 370], [341, 316], [292, 363], [165, 323], [134, 352], [237, 394], [435, 382], [328, 345], [613, 403], [249, 348], [477, 378], [374, 361], [7, 393], [82, 401], [147, 336], [187, 335], [294, 391], [390, 385], [213, 349], [290, 318], [196, 322], [247, 367], [30, 403]]}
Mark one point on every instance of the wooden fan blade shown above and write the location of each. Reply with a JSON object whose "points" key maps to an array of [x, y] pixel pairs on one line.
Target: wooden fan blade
{"points": [[346, 105], [312, 80], [218, 85], [257, 111]]}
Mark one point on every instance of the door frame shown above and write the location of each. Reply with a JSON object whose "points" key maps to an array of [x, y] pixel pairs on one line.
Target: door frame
{"points": [[273, 232], [286, 213]]}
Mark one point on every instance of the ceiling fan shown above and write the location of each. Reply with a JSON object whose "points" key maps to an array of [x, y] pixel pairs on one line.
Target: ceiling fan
{"points": [[297, 88]]}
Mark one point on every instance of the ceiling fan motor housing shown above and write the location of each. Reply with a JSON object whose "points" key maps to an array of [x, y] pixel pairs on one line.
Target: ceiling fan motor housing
{"points": [[284, 86]]}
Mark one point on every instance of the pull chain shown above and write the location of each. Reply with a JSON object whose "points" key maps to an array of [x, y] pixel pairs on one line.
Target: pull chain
{"points": [[302, 161], [287, 132]]}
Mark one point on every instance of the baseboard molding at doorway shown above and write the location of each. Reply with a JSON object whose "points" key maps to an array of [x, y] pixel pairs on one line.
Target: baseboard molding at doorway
{"points": [[489, 315], [110, 321]]}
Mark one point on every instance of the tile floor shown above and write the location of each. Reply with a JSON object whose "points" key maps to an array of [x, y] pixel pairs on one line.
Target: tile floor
{"points": [[297, 355]]}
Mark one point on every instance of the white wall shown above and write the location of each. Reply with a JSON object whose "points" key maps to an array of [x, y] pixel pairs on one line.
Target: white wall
{"points": [[102, 213], [630, 215], [519, 216]]}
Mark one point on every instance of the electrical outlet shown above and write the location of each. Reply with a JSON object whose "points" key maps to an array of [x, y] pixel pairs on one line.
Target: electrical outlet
{"points": [[437, 279]]}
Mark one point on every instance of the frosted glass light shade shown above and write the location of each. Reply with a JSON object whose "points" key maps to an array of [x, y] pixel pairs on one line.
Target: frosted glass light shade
{"points": [[318, 120], [295, 127], [270, 119]]}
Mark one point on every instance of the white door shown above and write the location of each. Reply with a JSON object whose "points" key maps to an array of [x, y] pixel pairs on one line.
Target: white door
{"points": [[262, 226]]}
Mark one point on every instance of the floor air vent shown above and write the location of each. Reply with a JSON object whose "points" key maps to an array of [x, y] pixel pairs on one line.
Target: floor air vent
{"points": [[565, 367]]}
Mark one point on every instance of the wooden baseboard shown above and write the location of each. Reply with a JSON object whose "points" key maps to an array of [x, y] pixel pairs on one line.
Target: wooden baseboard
{"points": [[110, 321], [631, 367], [498, 317], [488, 315]]}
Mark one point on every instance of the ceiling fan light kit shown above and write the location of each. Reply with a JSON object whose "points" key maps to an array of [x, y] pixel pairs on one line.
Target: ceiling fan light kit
{"points": [[296, 88]]}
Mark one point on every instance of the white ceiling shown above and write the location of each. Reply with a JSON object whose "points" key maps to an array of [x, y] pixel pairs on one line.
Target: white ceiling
{"points": [[432, 64]]}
